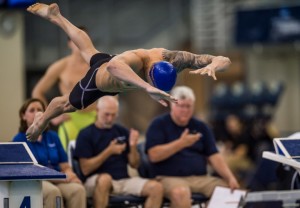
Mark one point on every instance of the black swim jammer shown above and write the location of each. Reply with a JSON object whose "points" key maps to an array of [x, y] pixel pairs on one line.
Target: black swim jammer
{"points": [[85, 91]]}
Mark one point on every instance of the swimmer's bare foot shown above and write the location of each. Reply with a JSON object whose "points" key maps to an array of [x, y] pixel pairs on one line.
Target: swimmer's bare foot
{"points": [[44, 10], [36, 128]]}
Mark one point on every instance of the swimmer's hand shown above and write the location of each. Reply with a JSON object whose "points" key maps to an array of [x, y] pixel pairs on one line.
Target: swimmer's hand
{"points": [[205, 70], [160, 96], [218, 63]]}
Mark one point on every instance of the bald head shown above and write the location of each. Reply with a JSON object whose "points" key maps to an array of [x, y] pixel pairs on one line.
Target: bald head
{"points": [[107, 111], [107, 101]]}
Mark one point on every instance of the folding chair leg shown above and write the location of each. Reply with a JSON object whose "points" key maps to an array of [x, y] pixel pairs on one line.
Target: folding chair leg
{"points": [[58, 202]]}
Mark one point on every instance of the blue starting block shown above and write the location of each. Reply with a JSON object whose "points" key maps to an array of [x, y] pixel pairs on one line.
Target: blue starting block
{"points": [[287, 151], [21, 177]]}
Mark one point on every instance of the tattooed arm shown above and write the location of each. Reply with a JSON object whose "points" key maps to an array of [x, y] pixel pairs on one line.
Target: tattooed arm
{"points": [[202, 64]]}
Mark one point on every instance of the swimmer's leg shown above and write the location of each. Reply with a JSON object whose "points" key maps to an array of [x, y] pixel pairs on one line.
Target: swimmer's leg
{"points": [[56, 107], [79, 37]]}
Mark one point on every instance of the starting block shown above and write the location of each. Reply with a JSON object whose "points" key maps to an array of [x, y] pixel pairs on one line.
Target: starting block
{"points": [[287, 151], [21, 177], [272, 199]]}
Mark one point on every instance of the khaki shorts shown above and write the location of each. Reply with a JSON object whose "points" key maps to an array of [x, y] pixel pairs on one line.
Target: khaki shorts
{"points": [[197, 184], [133, 185]]}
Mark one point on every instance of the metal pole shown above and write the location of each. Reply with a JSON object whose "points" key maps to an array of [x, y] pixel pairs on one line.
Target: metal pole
{"points": [[5, 202], [58, 202]]}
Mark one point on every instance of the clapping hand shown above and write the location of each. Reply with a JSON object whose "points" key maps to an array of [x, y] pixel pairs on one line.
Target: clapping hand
{"points": [[189, 139], [133, 137]]}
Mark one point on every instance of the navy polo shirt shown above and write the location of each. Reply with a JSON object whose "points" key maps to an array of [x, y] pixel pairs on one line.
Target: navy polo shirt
{"points": [[187, 162], [92, 140]]}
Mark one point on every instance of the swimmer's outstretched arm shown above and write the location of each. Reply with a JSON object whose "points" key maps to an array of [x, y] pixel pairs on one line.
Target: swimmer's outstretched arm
{"points": [[202, 64], [79, 37]]}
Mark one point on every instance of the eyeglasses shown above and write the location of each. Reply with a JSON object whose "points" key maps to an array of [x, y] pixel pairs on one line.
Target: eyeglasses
{"points": [[187, 106]]}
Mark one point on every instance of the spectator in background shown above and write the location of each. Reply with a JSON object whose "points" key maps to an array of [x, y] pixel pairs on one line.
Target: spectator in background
{"points": [[104, 150], [66, 72], [264, 176], [235, 148], [49, 152], [262, 133], [179, 147]]}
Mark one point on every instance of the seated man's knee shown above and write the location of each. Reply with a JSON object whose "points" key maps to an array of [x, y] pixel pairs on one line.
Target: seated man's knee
{"points": [[104, 180], [80, 191], [152, 187], [180, 194]]}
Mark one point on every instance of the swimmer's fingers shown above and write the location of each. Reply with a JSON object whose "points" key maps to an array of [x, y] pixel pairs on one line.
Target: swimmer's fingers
{"points": [[206, 70]]}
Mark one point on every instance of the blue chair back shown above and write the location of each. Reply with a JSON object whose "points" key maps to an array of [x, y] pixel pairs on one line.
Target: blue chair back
{"points": [[145, 169]]}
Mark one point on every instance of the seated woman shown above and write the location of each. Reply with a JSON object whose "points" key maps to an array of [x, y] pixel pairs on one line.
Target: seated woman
{"points": [[49, 152]]}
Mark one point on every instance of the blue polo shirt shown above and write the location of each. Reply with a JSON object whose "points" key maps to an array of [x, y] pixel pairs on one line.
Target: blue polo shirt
{"points": [[187, 162], [49, 152], [92, 140]]}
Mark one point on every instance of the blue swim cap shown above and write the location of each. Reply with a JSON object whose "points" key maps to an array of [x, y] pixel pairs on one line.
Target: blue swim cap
{"points": [[163, 75]]}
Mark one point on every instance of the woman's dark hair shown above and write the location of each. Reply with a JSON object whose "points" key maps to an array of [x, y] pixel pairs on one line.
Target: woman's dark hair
{"points": [[23, 125]]}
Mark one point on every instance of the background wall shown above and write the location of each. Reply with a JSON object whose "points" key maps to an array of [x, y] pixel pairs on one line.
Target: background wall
{"points": [[11, 72], [269, 64]]}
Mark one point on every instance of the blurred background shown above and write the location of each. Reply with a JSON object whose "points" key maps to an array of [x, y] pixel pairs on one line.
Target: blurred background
{"points": [[261, 37]]}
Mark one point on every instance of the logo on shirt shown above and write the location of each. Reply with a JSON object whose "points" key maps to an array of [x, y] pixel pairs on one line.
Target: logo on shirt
{"points": [[51, 145]]}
